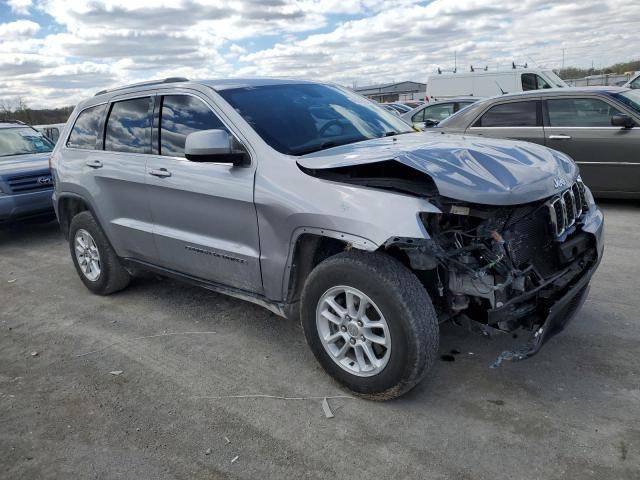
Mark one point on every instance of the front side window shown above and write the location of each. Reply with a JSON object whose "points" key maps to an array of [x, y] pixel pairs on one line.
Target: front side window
{"points": [[295, 119], [22, 141], [181, 115], [635, 84], [129, 126], [514, 114], [86, 130], [580, 112], [532, 81], [418, 117]]}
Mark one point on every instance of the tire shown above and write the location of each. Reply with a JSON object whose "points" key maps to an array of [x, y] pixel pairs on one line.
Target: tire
{"points": [[401, 302], [111, 275]]}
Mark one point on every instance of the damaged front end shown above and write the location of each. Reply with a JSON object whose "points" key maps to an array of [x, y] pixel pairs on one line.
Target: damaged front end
{"points": [[509, 268]]}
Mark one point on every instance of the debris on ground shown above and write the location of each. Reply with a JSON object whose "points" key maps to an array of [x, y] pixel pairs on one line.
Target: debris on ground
{"points": [[207, 451], [116, 372], [327, 409], [35, 354], [227, 440], [13, 280], [233, 460]]}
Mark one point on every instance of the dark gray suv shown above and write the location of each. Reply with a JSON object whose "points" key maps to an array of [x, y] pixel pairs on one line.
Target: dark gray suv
{"points": [[321, 206]]}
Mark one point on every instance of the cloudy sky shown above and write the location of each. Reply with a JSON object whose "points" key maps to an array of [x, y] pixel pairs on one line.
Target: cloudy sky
{"points": [[55, 52]]}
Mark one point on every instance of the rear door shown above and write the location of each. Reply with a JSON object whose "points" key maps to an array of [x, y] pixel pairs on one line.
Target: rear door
{"points": [[607, 155], [205, 222], [112, 174], [517, 120]]}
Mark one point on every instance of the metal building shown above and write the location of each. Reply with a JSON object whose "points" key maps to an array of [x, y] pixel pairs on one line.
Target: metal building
{"points": [[394, 92]]}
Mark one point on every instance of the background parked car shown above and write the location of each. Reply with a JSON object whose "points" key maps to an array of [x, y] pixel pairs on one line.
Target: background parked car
{"points": [[26, 185], [596, 126], [396, 108], [414, 104], [429, 115]]}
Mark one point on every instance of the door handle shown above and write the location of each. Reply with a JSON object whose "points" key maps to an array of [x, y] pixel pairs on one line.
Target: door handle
{"points": [[561, 136], [162, 173], [94, 164]]}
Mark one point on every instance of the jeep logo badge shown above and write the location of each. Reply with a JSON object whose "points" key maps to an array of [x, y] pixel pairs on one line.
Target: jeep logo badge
{"points": [[45, 180], [559, 182]]}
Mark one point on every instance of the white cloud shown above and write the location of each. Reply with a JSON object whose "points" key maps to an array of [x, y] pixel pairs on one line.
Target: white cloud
{"points": [[102, 43], [20, 7], [18, 29]]}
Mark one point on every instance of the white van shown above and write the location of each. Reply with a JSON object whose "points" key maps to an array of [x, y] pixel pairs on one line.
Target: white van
{"points": [[490, 84]]}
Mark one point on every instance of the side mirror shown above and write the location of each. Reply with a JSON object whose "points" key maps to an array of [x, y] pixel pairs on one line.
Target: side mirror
{"points": [[213, 146], [431, 123], [622, 120]]}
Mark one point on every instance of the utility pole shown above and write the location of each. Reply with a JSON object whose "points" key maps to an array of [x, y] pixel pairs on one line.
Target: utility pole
{"points": [[563, 59], [455, 61]]}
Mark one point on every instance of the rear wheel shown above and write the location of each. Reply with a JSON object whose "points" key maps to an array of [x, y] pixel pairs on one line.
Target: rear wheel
{"points": [[370, 323], [96, 262]]}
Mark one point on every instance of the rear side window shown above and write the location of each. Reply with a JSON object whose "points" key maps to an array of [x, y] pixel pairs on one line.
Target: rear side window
{"points": [[515, 114], [531, 81], [180, 116], [580, 112], [129, 126], [438, 112], [86, 130]]}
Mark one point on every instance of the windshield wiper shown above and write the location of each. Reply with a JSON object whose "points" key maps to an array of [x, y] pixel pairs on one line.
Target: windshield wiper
{"points": [[393, 134]]}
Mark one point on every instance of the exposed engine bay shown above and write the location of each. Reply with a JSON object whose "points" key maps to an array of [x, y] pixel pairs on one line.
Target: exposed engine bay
{"points": [[501, 265]]}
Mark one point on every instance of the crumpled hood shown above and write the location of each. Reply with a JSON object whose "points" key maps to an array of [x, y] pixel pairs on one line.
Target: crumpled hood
{"points": [[472, 169], [16, 164]]}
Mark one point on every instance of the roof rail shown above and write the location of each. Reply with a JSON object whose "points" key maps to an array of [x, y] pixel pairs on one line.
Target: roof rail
{"points": [[144, 84]]}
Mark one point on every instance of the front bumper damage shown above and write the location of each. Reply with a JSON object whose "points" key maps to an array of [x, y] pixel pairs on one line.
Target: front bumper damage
{"points": [[513, 282]]}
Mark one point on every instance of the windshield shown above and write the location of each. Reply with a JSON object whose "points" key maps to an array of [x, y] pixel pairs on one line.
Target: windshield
{"points": [[296, 119], [630, 98], [22, 141]]}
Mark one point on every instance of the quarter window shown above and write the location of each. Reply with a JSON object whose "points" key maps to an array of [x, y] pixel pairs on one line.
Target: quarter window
{"points": [[580, 112], [86, 130], [129, 126], [514, 114], [181, 115]]}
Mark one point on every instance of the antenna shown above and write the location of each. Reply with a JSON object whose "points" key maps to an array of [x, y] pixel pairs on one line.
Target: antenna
{"points": [[500, 88]]}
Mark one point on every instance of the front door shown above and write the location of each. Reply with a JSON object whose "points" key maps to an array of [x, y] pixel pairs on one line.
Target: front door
{"points": [[205, 222], [607, 155]]}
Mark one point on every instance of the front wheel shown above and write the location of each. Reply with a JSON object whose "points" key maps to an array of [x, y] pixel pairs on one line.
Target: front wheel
{"points": [[370, 323]]}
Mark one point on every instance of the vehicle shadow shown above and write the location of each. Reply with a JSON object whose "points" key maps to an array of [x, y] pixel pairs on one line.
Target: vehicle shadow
{"points": [[29, 231]]}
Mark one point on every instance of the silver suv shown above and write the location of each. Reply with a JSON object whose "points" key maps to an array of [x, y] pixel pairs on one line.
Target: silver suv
{"points": [[318, 204]]}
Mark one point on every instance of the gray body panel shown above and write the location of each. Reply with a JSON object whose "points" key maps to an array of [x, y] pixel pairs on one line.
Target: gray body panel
{"points": [[464, 167], [608, 157]]}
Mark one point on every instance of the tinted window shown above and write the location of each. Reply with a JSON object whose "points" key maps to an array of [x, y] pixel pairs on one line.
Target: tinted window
{"points": [[86, 130], [580, 112], [635, 84], [418, 117], [531, 81], [129, 126], [302, 118], [181, 115], [515, 114], [22, 141]]}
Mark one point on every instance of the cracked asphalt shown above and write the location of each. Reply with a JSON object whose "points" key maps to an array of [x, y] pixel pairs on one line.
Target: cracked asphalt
{"points": [[571, 412]]}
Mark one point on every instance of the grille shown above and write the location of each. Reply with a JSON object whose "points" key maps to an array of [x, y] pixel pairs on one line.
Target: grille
{"points": [[31, 182], [530, 241], [566, 208]]}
